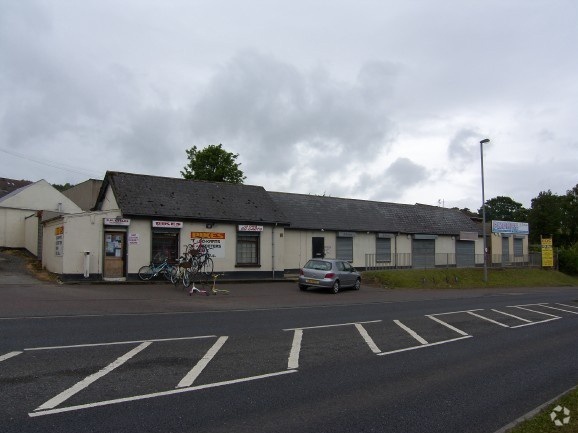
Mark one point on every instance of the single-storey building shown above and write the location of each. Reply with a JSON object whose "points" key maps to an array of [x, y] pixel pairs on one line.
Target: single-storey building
{"points": [[21, 209], [250, 232]]}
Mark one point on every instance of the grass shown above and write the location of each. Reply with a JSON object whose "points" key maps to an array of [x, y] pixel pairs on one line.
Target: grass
{"points": [[457, 278], [542, 422]]}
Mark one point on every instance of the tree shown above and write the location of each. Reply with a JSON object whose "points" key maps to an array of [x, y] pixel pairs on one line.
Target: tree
{"points": [[545, 217], [504, 209], [62, 187], [213, 164], [569, 235]]}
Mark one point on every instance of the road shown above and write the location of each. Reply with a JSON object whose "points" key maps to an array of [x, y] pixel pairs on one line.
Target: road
{"points": [[269, 358]]}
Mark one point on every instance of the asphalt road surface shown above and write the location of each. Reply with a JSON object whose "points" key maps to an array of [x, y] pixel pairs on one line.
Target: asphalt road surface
{"points": [[269, 358]]}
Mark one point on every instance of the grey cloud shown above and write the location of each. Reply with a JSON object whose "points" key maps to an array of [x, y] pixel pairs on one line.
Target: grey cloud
{"points": [[465, 146], [274, 109], [391, 184]]}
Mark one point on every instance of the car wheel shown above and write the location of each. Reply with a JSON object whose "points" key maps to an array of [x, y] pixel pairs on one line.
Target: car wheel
{"points": [[335, 288], [302, 287], [357, 284]]}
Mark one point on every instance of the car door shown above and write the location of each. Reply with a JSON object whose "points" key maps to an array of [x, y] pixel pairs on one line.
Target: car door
{"points": [[345, 274]]}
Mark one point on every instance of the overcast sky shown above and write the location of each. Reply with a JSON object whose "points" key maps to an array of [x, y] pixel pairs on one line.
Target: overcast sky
{"points": [[382, 100]]}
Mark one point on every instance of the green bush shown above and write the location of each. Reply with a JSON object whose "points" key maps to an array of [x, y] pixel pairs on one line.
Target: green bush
{"points": [[568, 259]]}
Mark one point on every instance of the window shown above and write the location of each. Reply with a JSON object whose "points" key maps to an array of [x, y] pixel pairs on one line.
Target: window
{"points": [[165, 245], [383, 249], [344, 249], [248, 249], [518, 247]]}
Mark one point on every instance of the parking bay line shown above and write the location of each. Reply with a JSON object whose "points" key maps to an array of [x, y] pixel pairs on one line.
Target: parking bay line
{"points": [[156, 394], [9, 355], [65, 395], [411, 332], [560, 309], [293, 361], [200, 366], [118, 343]]}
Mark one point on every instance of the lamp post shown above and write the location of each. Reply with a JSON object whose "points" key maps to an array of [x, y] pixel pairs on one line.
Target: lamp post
{"points": [[485, 140]]}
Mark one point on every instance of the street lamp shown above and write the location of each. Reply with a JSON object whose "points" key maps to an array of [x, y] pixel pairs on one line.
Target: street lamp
{"points": [[485, 140]]}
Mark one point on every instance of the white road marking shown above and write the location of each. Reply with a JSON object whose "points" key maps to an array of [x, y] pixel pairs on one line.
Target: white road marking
{"points": [[512, 315], [410, 332], [293, 362], [560, 309], [156, 394], [456, 312], [447, 325], [9, 355], [535, 323], [423, 346], [119, 342], [523, 307], [367, 338], [488, 319], [200, 366], [332, 326], [65, 395], [566, 305]]}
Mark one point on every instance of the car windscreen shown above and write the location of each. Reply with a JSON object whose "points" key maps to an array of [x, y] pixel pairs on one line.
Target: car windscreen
{"points": [[318, 265]]}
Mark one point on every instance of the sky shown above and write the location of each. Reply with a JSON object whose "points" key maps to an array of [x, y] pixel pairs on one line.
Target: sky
{"points": [[366, 99]]}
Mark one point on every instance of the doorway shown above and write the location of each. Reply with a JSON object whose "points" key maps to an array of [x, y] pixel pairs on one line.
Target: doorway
{"points": [[114, 255], [318, 247]]}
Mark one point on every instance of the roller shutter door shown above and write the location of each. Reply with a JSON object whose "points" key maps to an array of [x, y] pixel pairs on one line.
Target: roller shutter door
{"points": [[465, 254], [423, 252]]}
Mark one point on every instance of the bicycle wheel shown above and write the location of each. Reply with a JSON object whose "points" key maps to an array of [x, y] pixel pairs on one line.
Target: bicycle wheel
{"points": [[187, 277], [207, 268], [175, 274], [168, 271], [145, 273]]}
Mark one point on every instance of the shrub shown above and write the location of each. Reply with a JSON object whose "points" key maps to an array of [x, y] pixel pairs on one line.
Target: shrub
{"points": [[568, 259]]}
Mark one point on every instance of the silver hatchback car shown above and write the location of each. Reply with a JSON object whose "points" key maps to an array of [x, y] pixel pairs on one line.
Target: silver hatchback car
{"points": [[329, 273]]}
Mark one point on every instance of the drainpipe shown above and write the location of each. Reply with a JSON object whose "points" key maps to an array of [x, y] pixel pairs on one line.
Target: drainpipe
{"points": [[273, 249]]}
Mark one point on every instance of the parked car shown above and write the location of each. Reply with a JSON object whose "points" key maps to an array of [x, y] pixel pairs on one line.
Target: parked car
{"points": [[329, 273]]}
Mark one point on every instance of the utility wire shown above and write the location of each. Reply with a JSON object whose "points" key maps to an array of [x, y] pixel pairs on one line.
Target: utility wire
{"points": [[50, 163]]}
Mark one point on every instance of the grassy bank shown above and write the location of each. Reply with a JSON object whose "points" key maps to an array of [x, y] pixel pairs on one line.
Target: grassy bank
{"points": [[454, 278]]}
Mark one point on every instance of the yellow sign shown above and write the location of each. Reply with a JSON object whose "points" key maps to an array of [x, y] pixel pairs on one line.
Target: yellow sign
{"points": [[547, 253], [207, 235], [59, 230]]}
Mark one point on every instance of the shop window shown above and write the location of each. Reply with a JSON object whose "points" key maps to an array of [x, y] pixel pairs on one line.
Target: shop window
{"points": [[248, 246], [165, 245]]}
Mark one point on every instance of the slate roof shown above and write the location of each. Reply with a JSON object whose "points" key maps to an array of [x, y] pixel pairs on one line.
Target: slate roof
{"points": [[339, 214], [173, 198], [8, 186]]}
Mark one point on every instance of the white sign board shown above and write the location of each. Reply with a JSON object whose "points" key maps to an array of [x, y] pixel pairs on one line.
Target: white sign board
{"points": [[168, 224], [116, 221], [250, 228]]}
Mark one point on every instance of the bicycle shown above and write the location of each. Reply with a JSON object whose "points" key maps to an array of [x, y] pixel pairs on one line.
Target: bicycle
{"points": [[200, 258], [148, 272]]}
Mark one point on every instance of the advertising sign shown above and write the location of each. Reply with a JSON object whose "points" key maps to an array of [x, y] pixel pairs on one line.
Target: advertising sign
{"points": [[59, 246], [213, 241], [547, 253], [510, 227]]}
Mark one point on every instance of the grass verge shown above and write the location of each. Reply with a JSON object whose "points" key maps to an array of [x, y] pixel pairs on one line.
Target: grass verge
{"points": [[457, 278], [544, 421]]}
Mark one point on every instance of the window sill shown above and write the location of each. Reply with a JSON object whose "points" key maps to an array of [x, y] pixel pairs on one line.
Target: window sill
{"points": [[247, 265]]}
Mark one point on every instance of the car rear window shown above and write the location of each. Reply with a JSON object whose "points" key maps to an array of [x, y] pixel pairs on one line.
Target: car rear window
{"points": [[318, 265]]}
